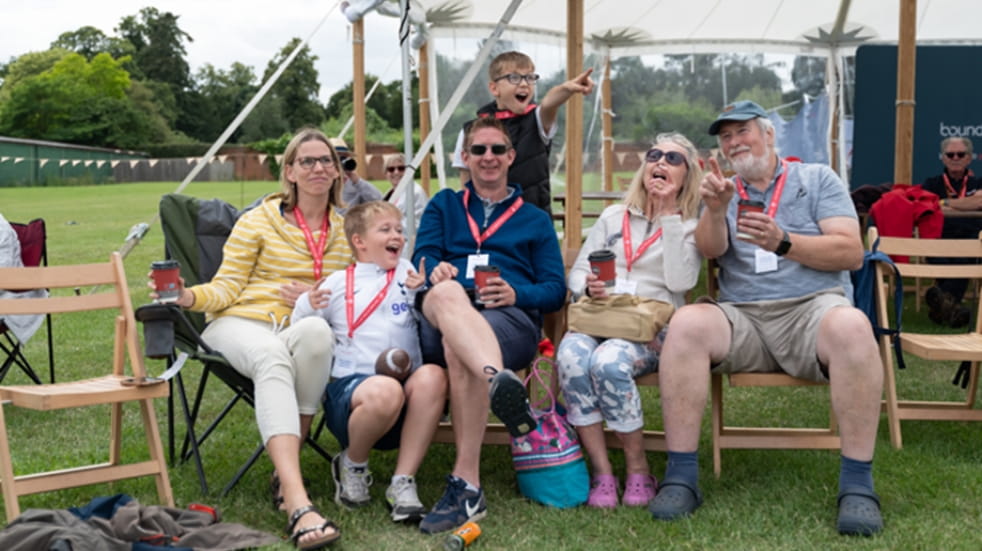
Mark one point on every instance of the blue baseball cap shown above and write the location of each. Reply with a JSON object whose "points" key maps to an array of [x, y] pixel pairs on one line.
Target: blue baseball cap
{"points": [[737, 111]]}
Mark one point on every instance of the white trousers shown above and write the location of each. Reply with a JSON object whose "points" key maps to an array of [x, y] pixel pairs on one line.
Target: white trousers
{"points": [[289, 369]]}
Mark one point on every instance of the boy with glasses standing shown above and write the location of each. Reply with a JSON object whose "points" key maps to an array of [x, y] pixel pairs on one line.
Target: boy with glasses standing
{"points": [[530, 127], [957, 187]]}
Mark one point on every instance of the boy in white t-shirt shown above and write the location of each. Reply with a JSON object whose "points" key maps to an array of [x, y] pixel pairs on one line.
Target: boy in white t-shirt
{"points": [[369, 308]]}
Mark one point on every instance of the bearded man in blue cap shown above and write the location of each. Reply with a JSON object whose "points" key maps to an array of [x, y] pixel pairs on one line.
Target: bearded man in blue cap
{"points": [[784, 306]]}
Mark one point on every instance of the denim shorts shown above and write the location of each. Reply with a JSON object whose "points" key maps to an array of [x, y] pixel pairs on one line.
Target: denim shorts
{"points": [[337, 409]]}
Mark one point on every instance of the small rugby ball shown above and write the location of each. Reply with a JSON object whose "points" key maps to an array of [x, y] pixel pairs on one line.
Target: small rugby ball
{"points": [[394, 362]]}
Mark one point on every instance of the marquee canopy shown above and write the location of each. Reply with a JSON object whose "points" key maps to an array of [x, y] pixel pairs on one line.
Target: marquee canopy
{"points": [[713, 26]]}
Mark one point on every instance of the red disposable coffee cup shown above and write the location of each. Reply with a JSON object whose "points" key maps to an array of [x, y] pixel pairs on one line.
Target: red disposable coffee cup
{"points": [[745, 206], [166, 276], [481, 275], [602, 265]]}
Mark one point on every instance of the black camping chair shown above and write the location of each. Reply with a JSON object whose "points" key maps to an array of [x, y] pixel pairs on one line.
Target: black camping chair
{"points": [[195, 231], [33, 240]]}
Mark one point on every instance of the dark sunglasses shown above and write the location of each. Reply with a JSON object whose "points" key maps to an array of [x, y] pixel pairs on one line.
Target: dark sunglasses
{"points": [[673, 158], [956, 154], [309, 162], [481, 149], [400, 168]]}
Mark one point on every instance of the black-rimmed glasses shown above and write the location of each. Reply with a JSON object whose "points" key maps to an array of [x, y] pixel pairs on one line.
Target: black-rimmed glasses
{"points": [[516, 79], [308, 162], [673, 158], [480, 149]]}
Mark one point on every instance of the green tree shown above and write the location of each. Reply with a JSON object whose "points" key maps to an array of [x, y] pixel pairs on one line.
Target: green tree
{"points": [[158, 43], [297, 88], [217, 97], [90, 41], [29, 65], [79, 101]]}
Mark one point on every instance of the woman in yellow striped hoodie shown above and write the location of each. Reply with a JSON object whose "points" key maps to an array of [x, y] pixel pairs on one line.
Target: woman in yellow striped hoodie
{"points": [[276, 251]]}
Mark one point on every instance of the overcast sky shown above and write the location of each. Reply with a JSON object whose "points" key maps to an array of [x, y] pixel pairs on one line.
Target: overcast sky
{"points": [[224, 31]]}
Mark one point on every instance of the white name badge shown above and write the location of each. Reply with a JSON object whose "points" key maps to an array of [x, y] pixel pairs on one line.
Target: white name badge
{"points": [[625, 287], [476, 260], [764, 261]]}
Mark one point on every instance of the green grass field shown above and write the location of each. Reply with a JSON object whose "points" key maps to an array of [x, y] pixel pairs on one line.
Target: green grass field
{"points": [[763, 500]]}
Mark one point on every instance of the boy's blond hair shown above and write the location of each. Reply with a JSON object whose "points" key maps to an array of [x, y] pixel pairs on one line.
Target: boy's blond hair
{"points": [[359, 217], [518, 59]]}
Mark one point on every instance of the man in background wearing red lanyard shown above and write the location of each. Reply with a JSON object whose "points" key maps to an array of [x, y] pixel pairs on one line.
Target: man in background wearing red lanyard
{"points": [[486, 223], [957, 187], [784, 305]]}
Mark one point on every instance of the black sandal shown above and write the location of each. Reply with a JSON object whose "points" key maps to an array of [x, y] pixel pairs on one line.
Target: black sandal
{"points": [[274, 490], [318, 543]]}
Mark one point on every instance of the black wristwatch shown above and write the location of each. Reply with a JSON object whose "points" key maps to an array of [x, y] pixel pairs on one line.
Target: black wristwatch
{"points": [[784, 246]]}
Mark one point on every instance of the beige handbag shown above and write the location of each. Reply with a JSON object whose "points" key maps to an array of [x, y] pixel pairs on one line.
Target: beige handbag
{"points": [[626, 317]]}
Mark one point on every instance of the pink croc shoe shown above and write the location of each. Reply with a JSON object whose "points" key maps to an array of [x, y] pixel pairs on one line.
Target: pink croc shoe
{"points": [[639, 489], [603, 491]]}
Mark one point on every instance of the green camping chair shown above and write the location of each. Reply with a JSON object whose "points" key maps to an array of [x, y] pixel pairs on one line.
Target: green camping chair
{"points": [[195, 231]]}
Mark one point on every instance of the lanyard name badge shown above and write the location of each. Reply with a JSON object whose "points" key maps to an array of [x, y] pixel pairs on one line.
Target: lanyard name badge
{"points": [[479, 259], [349, 299], [623, 285], [316, 250], [766, 261]]}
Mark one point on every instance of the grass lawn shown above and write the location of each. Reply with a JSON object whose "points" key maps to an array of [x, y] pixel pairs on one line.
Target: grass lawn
{"points": [[763, 500]]}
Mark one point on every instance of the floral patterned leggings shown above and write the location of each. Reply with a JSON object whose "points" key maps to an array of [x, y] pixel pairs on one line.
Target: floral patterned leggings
{"points": [[597, 379]]}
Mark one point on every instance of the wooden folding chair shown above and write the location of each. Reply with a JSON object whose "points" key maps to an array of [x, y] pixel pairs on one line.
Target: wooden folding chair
{"points": [[761, 437], [114, 388], [963, 346]]}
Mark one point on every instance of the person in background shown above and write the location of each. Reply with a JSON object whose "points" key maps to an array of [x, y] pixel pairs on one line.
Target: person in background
{"points": [[958, 189], [364, 409], [485, 223], [784, 306], [530, 127], [22, 326], [356, 190], [652, 236], [395, 169], [276, 252]]}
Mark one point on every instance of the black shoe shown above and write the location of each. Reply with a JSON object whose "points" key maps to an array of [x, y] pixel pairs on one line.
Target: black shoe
{"points": [[510, 403], [960, 316], [940, 305]]}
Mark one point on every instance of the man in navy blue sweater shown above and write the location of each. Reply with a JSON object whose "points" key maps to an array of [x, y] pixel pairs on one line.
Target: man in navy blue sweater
{"points": [[486, 223]]}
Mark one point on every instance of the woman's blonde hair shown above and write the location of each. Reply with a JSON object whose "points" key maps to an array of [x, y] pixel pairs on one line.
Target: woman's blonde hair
{"points": [[288, 188], [688, 197]]}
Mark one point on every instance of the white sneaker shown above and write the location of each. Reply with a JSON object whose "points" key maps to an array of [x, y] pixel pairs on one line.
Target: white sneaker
{"points": [[350, 483], [403, 501]]}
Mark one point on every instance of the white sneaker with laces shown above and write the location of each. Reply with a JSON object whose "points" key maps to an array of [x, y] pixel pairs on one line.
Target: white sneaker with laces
{"points": [[403, 500], [350, 483]]}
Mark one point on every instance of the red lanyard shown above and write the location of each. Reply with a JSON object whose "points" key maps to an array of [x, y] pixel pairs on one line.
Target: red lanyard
{"points": [[349, 299], [778, 189], [506, 114], [316, 251], [950, 189], [626, 235], [482, 237]]}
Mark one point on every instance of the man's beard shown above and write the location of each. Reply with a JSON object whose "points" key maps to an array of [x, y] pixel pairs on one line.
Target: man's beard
{"points": [[752, 167]]}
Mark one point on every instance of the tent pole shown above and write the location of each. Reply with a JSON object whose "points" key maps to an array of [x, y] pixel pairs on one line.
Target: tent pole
{"points": [[572, 226], [358, 89], [608, 128], [424, 112], [906, 58]]}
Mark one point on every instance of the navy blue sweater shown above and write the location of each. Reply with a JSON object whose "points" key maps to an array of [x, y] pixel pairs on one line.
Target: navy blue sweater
{"points": [[525, 247]]}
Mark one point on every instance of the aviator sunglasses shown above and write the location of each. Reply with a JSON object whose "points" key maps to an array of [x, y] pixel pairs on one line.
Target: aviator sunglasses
{"points": [[673, 158], [481, 149], [956, 154]]}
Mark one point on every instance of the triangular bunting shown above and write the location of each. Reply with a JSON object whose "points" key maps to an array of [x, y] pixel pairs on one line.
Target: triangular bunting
{"points": [[641, 155], [222, 158], [153, 162], [18, 159], [191, 160], [113, 163], [262, 158], [4, 159], [88, 162], [134, 162], [63, 162], [279, 159], [42, 162], [620, 157], [76, 162], [98, 164]]}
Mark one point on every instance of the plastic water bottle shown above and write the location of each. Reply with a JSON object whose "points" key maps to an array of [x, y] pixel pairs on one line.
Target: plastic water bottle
{"points": [[462, 537]]}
